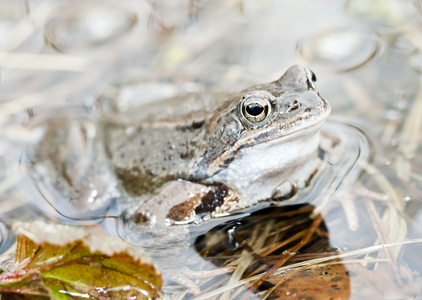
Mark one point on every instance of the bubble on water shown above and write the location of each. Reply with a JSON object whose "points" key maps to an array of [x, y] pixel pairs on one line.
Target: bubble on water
{"points": [[341, 49], [87, 25]]}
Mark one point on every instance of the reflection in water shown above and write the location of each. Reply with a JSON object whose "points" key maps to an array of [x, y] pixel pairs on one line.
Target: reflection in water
{"points": [[276, 250], [341, 49], [87, 25]]}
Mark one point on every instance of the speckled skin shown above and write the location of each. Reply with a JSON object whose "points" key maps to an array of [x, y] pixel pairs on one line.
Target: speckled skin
{"points": [[205, 140]]}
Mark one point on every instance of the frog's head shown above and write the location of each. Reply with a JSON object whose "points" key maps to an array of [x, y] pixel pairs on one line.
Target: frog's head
{"points": [[248, 133], [285, 106]]}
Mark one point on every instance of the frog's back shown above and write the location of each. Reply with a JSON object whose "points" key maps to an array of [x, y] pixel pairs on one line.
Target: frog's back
{"points": [[159, 141], [177, 110], [146, 156]]}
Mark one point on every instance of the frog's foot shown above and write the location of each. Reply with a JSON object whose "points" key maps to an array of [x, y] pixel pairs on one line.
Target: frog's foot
{"points": [[285, 191], [182, 277], [300, 179], [182, 202]]}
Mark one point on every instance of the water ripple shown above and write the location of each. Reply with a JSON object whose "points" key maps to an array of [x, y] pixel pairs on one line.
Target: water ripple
{"points": [[342, 50], [85, 26]]}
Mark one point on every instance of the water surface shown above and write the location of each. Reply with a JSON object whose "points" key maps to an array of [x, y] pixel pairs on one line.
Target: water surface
{"points": [[363, 240]]}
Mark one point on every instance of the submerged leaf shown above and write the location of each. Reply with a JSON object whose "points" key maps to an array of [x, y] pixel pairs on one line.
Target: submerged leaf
{"points": [[64, 262]]}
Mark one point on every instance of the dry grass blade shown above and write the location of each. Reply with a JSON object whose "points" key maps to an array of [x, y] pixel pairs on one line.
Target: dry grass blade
{"points": [[396, 227], [42, 62], [287, 256], [246, 258], [382, 237], [410, 137], [26, 28], [283, 243], [308, 263]]}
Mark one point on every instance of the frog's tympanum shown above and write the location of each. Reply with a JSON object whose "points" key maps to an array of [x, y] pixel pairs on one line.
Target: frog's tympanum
{"points": [[191, 157]]}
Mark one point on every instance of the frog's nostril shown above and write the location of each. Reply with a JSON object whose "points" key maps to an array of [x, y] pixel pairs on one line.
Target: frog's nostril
{"points": [[308, 109], [293, 106]]}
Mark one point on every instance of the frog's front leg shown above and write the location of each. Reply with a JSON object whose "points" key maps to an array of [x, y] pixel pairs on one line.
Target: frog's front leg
{"points": [[300, 179], [182, 202]]}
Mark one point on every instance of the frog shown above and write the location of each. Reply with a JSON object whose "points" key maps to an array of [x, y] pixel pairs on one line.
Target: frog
{"points": [[187, 159], [260, 144], [194, 157]]}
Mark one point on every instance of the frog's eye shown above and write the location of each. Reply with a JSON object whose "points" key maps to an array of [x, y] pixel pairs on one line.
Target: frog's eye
{"points": [[255, 108], [311, 78]]}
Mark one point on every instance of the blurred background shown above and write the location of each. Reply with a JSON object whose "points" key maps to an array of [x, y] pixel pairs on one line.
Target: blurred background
{"points": [[58, 55]]}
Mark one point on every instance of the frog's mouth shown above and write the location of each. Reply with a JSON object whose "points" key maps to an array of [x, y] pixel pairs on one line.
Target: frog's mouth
{"points": [[258, 140], [223, 161], [287, 129], [270, 134]]}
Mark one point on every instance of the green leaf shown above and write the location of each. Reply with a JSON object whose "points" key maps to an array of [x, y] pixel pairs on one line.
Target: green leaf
{"points": [[63, 262]]}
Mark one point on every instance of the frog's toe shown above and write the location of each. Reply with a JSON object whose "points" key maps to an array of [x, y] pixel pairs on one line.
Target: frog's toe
{"points": [[284, 191]]}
